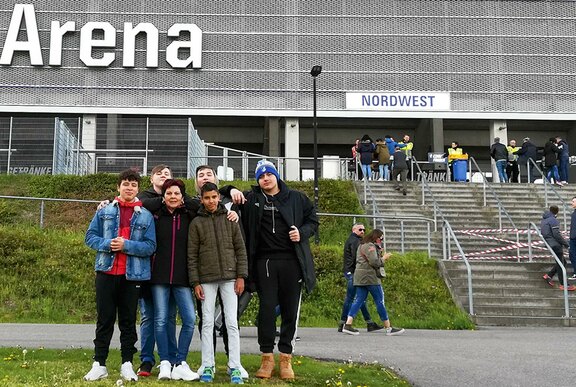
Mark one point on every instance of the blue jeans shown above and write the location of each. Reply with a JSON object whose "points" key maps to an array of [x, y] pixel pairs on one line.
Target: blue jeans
{"points": [[147, 340], [350, 294], [367, 171], [377, 294], [564, 166], [383, 168], [553, 173], [184, 301], [501, 167]]}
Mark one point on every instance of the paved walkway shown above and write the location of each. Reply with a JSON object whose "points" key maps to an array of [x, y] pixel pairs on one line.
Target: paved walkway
{"points": [[486, 357]]}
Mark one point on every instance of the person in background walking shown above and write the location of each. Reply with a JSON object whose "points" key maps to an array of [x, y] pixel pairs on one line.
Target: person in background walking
{"points": [[383, 159], [513, 169], [564, 159], [572, 243], [499, 153], [366, 149], [528, 152], [369, 259], [350, 250], [400, 168], [550, 229], [408, 150], [551, 152]]}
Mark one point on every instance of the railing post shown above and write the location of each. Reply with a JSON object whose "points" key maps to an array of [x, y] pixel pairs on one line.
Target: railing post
{"points": [[42, 214], [365, 195], [529, 243], [402, 235], [422, 177], [444, 251], [518, 244], [429, 240]]}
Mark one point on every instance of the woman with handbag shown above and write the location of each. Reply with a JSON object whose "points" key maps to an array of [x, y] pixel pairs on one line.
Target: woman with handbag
{"points": [[367, 279]]}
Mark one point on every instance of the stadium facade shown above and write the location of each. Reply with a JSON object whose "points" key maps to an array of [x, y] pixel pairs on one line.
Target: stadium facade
{"points": [[127, 80]]}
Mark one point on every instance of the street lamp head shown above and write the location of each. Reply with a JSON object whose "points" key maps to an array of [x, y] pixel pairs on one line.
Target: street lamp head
{"points": [[316, 70]]}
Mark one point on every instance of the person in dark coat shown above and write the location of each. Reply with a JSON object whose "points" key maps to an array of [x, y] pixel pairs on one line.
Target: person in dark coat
{"points": [[564, 159], [366, 149], [527, 152], [278, 223], [499, 153], [550, 229], [551, 152], [399, 168]]}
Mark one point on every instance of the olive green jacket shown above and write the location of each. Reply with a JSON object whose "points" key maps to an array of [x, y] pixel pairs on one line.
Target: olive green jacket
{"points": [[216, 250], [368, 260]]}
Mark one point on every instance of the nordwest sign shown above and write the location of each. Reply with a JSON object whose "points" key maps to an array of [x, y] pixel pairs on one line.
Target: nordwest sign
{"points": [[25, 15], [415, 101]]}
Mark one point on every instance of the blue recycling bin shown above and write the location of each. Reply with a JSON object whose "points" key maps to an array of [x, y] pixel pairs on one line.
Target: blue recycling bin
{"points": [[460, 168]]}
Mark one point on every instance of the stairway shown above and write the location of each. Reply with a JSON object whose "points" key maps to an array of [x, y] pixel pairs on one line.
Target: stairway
{"points": [[505, 291]]}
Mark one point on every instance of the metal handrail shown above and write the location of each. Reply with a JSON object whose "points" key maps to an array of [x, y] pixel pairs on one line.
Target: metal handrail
{"points": [[389, 218], [546, 184], [42, 200], [448, 233], [486, 183], [531, 225]]}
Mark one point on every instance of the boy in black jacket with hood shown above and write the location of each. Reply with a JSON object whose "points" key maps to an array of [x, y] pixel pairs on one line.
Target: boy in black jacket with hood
{"points": [[278, 223]]}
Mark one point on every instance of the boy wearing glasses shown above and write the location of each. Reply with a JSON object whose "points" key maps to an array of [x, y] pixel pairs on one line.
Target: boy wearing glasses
{"points": [[350, 249]]}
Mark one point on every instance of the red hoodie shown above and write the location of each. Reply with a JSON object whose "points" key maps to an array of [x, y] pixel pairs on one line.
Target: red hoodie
{"points": [[126, 212]]}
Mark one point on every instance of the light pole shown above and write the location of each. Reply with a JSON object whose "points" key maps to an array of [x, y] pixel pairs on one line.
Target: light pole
{"points": [[316, 70]]}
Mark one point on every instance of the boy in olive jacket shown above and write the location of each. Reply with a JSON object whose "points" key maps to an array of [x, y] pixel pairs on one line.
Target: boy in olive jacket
{"points": [[217, 261]]}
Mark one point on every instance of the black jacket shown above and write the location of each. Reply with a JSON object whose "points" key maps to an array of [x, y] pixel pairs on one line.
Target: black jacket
{"points": [[350, 249], [550, 229], [573, 225], [528, 151], [297, 210], [170, 263], [366, 150], [499, 151], [550, 154]]}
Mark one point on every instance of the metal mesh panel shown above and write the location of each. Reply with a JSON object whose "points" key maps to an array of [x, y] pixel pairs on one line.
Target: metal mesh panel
{"points": [[67, 158], [196, 151], [257, 54]]}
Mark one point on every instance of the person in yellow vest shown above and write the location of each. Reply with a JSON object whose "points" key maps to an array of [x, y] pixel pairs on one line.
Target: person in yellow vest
{"points": [[408, 150], [453, 150], [513, 169]]}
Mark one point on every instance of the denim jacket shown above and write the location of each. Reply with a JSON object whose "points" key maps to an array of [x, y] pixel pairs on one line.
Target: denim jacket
{"points": [[138, 249]]}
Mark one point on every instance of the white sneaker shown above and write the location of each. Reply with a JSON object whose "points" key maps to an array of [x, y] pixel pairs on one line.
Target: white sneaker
{"points": [[573, 278], [127, 372], [183, 372], [380, 179], [243, 372], [165, 370], [96, 373]]}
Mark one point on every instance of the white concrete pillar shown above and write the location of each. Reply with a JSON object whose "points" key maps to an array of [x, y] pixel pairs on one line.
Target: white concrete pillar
{"points": [[498, 128], [292, 149], [89, 138]]}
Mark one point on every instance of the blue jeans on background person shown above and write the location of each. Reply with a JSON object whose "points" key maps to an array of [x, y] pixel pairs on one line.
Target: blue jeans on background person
{"points": [[350, 294], [383, 168], [501, 167], [367, 171], [147, 337], [377, 294], [184, 301], [564, 166], [553, 172]]}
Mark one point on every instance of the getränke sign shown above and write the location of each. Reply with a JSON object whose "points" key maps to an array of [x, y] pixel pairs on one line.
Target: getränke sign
{"points": [[25, 15]]}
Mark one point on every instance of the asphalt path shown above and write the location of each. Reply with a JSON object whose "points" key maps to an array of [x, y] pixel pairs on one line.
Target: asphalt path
{"points": [[484, 357]]}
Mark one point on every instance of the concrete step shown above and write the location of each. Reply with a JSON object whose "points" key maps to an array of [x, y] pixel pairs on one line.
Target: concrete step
{"points": [[523, 321]]}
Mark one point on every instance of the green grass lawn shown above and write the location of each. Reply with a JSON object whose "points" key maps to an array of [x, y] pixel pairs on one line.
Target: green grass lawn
{"points": [[47, 367]]}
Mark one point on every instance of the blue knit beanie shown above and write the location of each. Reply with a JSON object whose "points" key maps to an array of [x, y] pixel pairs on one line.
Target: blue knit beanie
{"points": [[265, 166]]}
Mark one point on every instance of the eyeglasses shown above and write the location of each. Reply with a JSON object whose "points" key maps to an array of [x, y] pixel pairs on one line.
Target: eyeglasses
{"points": [[361, 229]]}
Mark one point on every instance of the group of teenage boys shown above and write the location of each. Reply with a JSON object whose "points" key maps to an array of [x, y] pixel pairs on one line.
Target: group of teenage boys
{"points": [[273, 259]]}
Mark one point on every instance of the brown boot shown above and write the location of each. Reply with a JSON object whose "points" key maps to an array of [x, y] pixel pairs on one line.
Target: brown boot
{"points": [[286, 372], [266, 367]]}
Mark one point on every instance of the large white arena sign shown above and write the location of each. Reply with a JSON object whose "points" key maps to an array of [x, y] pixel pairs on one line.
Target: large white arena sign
{"points": [[24, 15], [418, 101]]}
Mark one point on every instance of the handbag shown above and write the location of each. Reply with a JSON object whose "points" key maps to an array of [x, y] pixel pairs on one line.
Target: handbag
{"points": [[380, 271]]}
